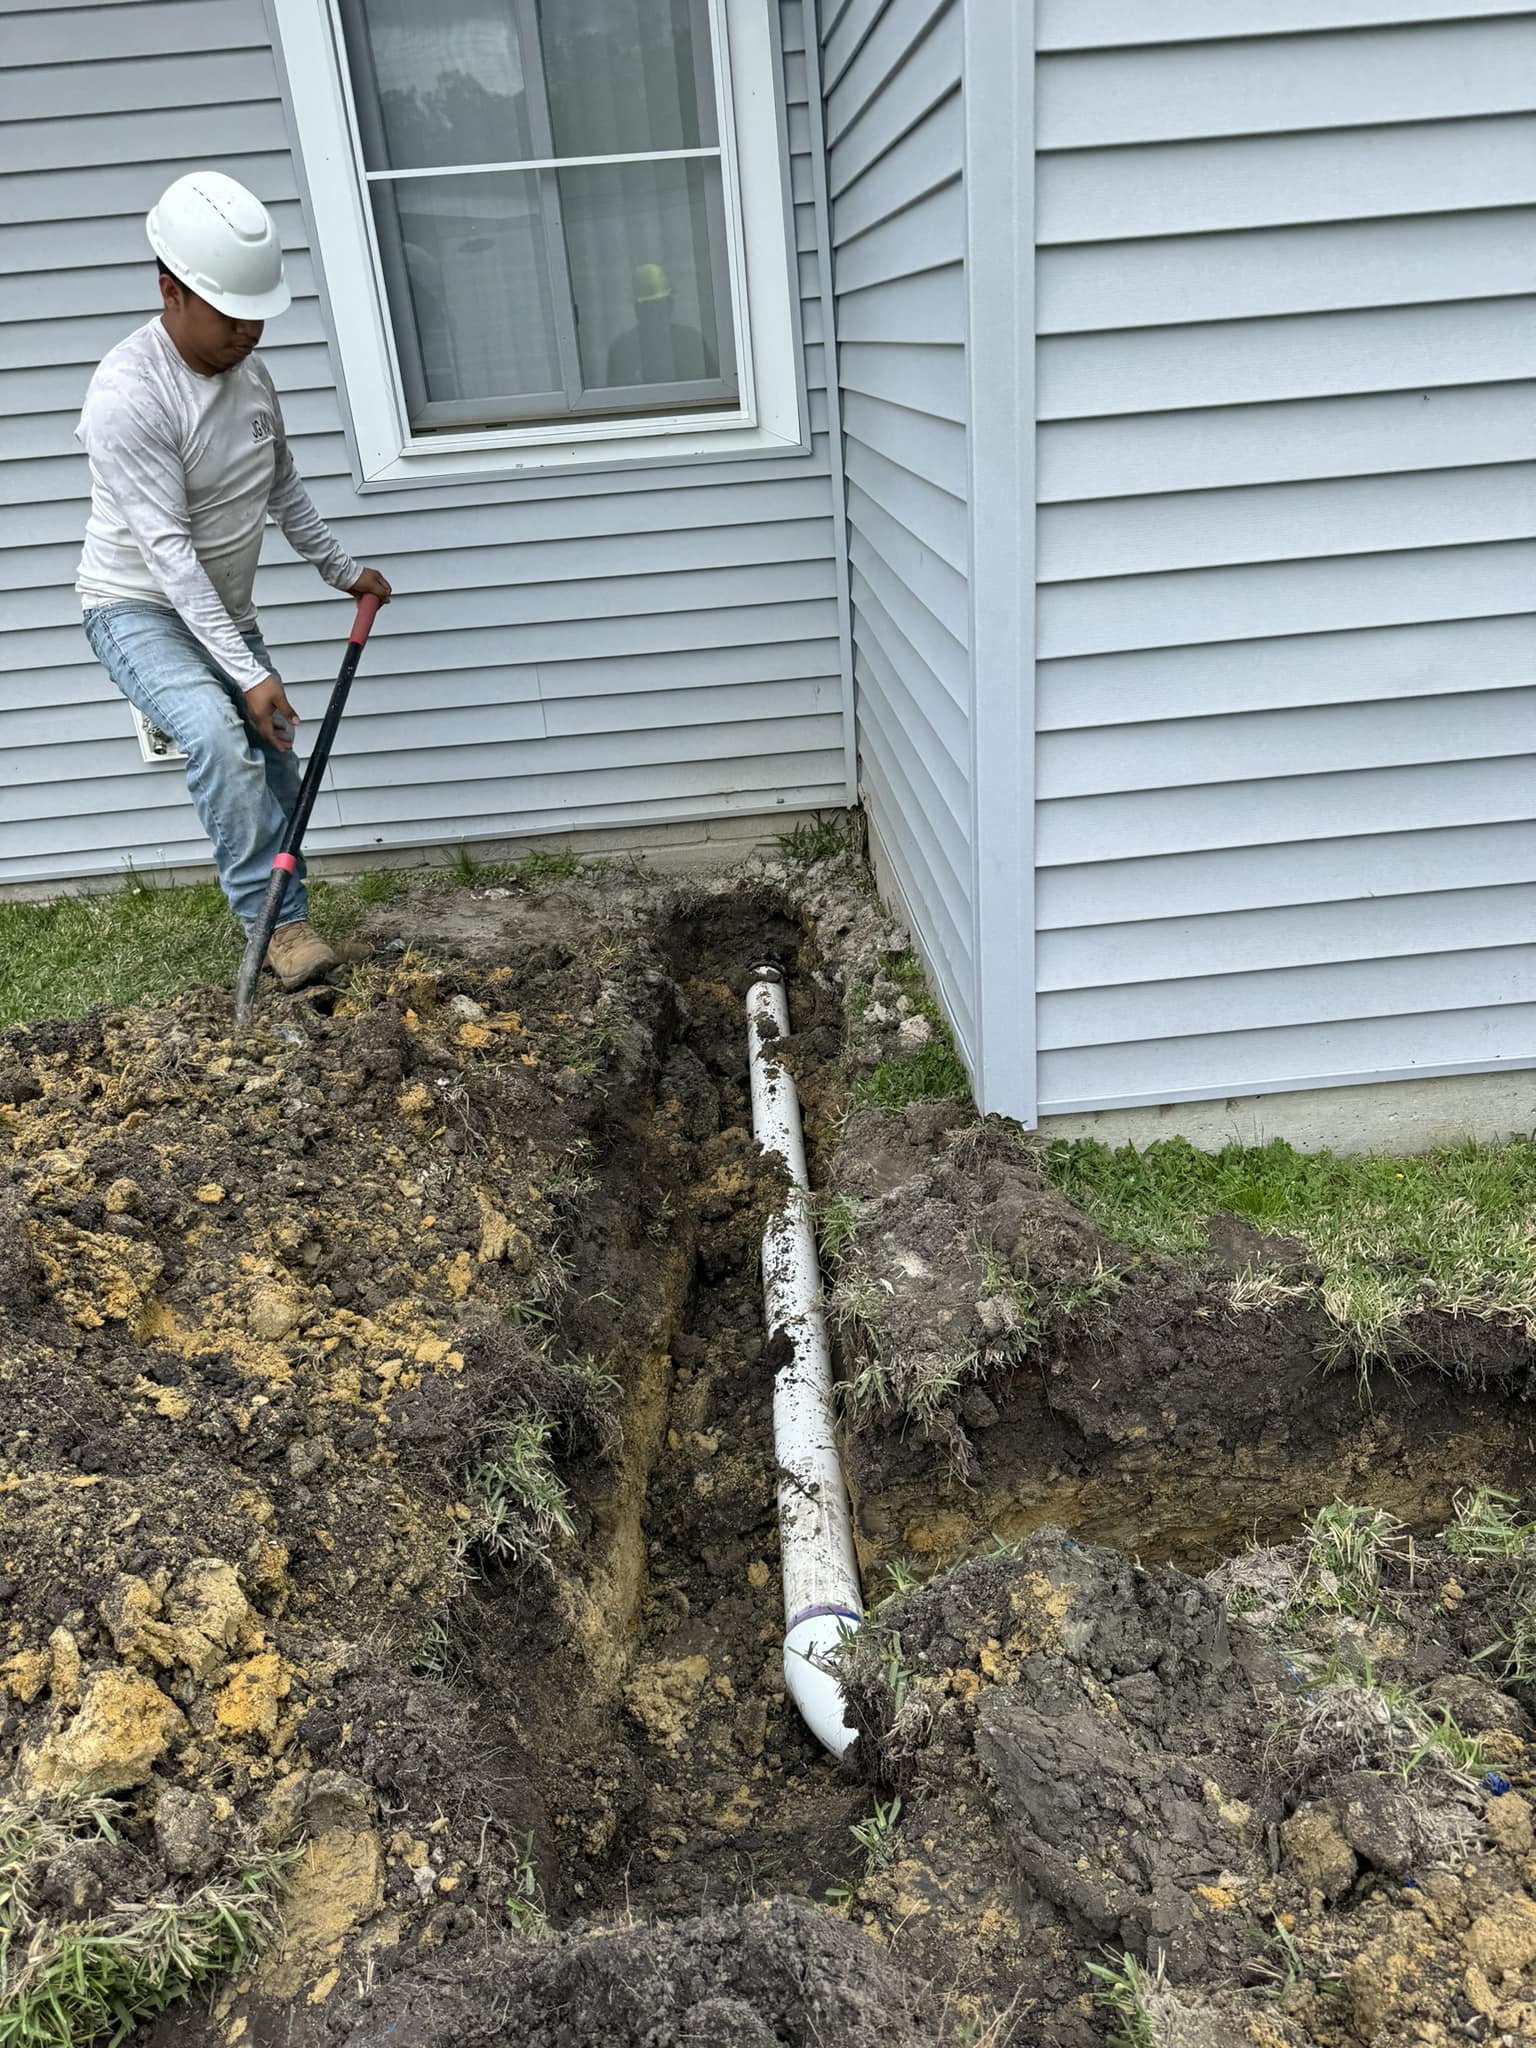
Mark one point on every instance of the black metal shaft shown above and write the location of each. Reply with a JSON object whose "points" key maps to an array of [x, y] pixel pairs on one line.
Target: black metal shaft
{"points": [[309, 788], [256, 945], [314, 768]]}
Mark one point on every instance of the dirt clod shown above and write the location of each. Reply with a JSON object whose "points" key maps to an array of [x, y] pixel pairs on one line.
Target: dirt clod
{"points": [[1318, 1853], [123, 1728]]}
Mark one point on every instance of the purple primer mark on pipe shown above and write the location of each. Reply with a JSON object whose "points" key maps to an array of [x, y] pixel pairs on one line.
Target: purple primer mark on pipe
{"points": [[810, 1614]]}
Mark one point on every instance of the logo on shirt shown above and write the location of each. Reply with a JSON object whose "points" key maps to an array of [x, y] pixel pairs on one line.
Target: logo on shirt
{"points": [[261, 427]]}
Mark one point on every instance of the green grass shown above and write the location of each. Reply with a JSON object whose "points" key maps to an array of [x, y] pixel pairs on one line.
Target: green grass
{"points": [[525, 1902], [906, 970], [933, 1071], [837, 1219], [140, 945], [1014, 1297], [68, 1983], [547, 867], [1355, 1721], [1515, 1647], [1120, 1993], [820, 838], [876, 1836], [1486, 1526], [517, 1502], [1343, 1550], [1449, 1230], [147, 942]]}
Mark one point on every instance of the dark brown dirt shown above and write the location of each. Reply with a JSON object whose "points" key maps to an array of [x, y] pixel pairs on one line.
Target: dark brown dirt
{"points": [[267, 1307], [1099, 1758], [1128, 1399]]}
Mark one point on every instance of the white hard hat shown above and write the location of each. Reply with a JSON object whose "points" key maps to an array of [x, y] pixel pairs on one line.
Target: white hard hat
{"points": [[220, 240]]}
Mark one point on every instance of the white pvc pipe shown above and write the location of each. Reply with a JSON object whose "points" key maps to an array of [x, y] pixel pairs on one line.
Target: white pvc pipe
{"points": [[822, 1599]]}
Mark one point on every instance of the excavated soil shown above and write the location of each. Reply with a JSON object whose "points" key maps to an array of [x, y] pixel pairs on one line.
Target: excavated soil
{"points": [[271, 1308]]}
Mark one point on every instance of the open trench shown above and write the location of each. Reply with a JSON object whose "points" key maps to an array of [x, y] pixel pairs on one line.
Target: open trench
{"points": [[737, 1797], [639, 1720], [643, 1711]]}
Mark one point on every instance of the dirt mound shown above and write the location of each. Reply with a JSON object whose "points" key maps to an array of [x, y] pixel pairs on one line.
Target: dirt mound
{"points": [[1089, 1756], [1010, 1367], [744, 1977]]}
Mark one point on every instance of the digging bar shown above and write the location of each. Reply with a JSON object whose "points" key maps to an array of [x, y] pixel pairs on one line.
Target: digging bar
{"points": [[285, 863]]}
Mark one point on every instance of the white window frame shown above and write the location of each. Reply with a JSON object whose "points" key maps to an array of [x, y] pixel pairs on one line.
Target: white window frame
{"points": [[770, 416]]}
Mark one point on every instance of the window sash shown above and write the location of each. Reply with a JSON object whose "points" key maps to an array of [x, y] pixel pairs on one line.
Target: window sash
{"points": [[578, 404], [546, 163]]}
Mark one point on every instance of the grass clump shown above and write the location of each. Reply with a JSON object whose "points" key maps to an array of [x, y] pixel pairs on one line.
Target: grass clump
{"points": [[1357, 1722], [431, 1653], [917, 1386], [906, 970], [935, 1069], [821, 838], [1343, 1551], [1486, 1526], [900, 1577], [1280, 1970], [540, 866], [1120, 1992], [516, 1502], [1516, 1645], [1010, 1298], [525, 1902], [876, 1836], [66, 1985], [1452, 1230], [837, 1226], [919, 1077]]}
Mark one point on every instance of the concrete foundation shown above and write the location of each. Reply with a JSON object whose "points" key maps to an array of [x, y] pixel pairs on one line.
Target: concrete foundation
{"points": [[1378, 1116], [707, 841]]}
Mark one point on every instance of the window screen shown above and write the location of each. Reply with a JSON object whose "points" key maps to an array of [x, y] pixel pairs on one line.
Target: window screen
{"points": [[550, 201]]}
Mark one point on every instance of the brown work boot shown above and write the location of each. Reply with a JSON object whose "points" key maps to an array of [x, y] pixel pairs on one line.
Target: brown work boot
{"points": [[298, 955]]}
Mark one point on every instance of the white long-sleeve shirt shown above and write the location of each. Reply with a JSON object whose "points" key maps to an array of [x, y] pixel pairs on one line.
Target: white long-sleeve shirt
{"points": [[185, 471]]}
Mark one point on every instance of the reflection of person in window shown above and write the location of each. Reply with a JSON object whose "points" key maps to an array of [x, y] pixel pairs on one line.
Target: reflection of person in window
{"points": [[659, 349]]}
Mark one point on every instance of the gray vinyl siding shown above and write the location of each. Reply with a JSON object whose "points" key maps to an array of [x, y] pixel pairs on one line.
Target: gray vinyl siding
{"points": [[1286, 690], [895, 149], [623, 649]]}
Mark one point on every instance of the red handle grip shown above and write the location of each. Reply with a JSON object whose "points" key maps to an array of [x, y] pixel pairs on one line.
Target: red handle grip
{"points": [[362, 625]]}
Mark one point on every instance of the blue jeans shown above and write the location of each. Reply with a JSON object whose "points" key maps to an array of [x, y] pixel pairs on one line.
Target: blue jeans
{"points": [[242, 790]]}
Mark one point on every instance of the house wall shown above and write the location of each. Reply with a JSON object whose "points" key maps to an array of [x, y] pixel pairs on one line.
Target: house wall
{"points": [[597, 651], [895, 154], [1286, 716]]}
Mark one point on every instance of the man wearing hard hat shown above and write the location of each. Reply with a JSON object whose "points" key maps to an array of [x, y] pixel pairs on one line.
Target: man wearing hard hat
{"points": [[188, 460]]}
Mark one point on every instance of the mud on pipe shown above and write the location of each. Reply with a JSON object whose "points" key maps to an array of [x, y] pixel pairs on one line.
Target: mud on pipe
{"points": [[822, 1597]]}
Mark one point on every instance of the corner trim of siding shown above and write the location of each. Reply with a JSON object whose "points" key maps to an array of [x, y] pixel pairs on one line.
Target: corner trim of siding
{"points": [[999, 102], [839, 479]]}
